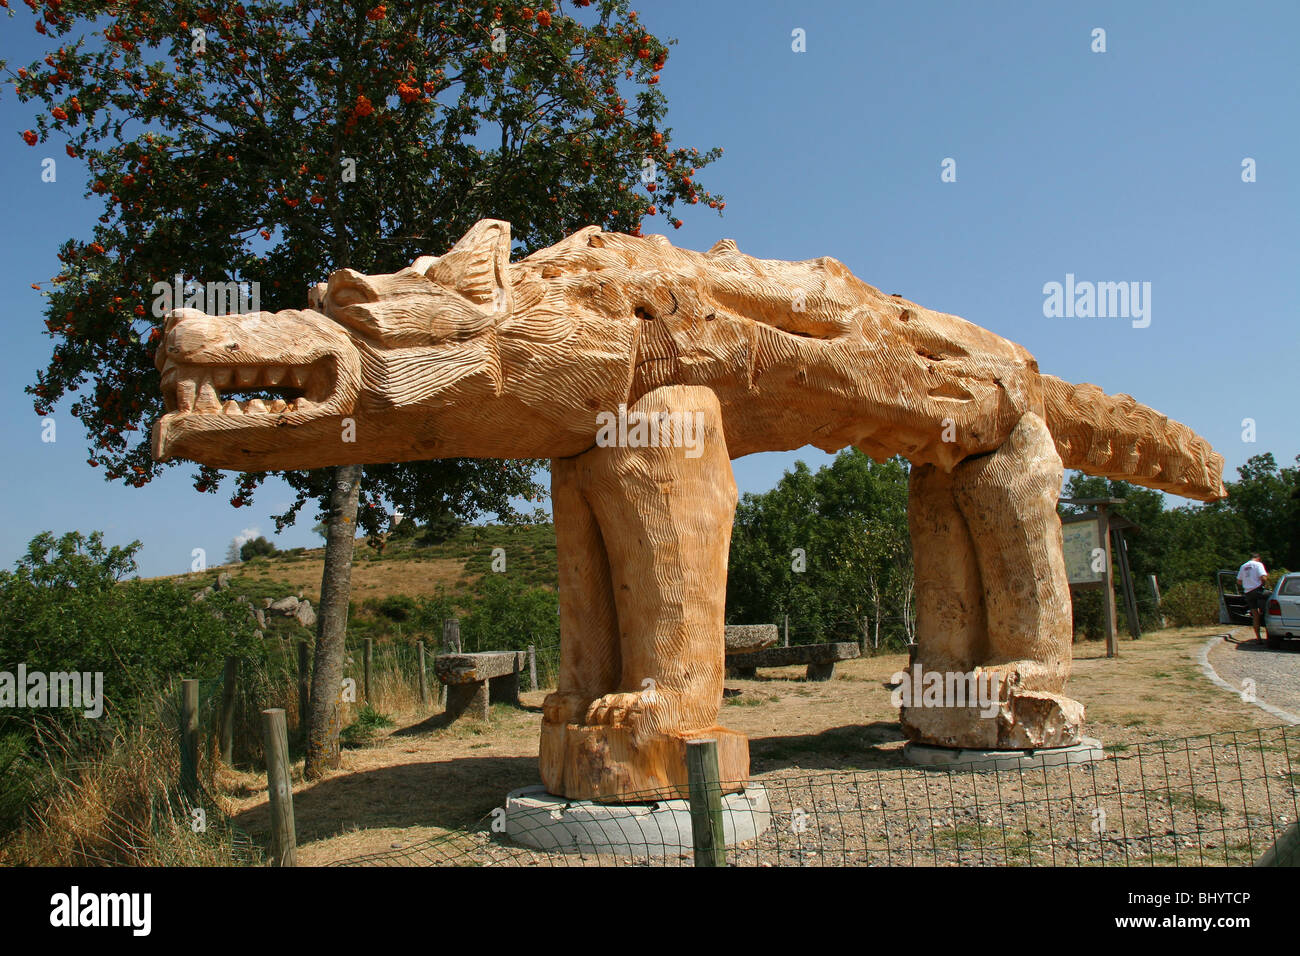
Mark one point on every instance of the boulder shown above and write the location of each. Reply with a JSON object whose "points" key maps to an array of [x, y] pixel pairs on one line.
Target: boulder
{"points": [[260, 617], [202, 595], [285, 605], [304, 614], [223, 580]]}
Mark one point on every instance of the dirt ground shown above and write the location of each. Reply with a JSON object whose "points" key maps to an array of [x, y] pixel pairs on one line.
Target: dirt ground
{"points": [[424, 778]]}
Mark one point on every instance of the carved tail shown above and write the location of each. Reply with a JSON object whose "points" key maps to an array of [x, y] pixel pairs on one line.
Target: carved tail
{"points": [[1116, 437]]}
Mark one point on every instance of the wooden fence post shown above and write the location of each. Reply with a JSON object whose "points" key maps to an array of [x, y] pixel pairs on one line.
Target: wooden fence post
{"points": [[190, 738], [279, 787], [451, 635], [369, 650], [532, 667], [424, 678], [226, 722], [450, 645], [706, 802], [304, 686], [1155, 596]]}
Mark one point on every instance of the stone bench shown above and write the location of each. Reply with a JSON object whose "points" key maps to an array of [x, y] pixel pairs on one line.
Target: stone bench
{"points": [[746, 638], [473, 681], [820, 658]]}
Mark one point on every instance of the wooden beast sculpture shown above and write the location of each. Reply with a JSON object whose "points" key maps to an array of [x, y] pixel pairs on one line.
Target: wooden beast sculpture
{"points": [[703, 357]]}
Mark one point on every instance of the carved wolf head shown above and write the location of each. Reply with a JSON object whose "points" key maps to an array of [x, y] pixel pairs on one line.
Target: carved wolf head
{"points": [[368, 350]]}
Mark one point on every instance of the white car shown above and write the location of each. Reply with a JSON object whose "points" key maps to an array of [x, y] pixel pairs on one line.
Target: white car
{"points": [[1282, 610]]}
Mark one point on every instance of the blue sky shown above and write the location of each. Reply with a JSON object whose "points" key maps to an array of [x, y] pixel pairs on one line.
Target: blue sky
{"points": [[1116, 166]]}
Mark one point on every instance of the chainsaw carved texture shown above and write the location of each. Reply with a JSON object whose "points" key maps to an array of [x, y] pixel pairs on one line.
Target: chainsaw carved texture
{"points": [[642, 370]]}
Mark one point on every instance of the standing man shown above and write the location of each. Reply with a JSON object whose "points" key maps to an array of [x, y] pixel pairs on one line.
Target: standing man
{"points": [[1252, 576]]}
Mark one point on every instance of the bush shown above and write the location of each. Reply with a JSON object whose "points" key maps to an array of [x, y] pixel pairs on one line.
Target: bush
{"points": [[256, 548], [365, 728], [1087, 612], [64, 609], [397, 607], [438, 530], [510, 615], [1190, 603]]}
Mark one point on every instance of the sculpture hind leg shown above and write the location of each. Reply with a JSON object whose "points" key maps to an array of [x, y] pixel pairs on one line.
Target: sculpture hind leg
{"points": [[659, 518], [994, 599]]}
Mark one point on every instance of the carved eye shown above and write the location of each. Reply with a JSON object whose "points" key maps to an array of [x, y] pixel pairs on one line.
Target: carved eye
{"points": [[349, 295], [347, 287]]}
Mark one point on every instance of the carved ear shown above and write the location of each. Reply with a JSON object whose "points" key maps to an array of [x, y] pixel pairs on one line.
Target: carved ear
{"points": [[478, 266]]}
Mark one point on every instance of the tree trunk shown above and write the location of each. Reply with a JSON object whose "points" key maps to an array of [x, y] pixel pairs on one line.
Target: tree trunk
{"points": [[332, 622]]}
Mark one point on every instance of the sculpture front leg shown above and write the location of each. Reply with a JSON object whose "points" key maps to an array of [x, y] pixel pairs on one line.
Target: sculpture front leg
{"points": [[664, 502]]}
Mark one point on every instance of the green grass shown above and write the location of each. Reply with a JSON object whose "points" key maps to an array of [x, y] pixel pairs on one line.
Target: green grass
{"points": [[365, 729], [1195, 802], [750, 700]]}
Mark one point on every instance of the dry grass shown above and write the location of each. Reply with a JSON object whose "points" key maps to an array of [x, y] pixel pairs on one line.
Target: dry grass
{"points": [[414, 577], [425, 779], [120, 807], [412, 574]]}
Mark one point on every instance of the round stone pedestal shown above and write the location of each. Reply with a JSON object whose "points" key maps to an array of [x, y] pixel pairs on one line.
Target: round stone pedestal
{"points": [[546, 822], [951, 758]]}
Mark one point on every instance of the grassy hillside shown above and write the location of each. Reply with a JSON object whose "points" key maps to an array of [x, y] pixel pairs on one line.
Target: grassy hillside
{"points": [[407, 568]]}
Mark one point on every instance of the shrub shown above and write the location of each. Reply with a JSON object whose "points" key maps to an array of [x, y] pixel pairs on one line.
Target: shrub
{"points": [[397, 607], [256, 548], [1190, 603], [1086, 609], [510, 615], [64, 609], [365, 728]]}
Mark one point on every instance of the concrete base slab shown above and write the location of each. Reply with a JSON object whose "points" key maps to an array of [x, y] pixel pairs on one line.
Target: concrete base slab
{"points": [[542, 820], [1086, 750]]}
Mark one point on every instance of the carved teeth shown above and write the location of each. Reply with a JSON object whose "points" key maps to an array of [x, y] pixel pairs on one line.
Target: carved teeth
{"points": [[246, 375], [279, 405], [221, 377], [298, 376], [232, 408], [275, 374], [302, 405], [208, 400], [254, 406], [185, 395]]}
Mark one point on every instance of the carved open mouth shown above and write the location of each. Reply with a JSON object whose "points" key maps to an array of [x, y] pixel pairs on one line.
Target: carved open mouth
{"points": [[236, 390]]}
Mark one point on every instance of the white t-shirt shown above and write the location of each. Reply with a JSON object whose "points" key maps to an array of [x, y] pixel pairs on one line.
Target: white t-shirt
{"points": [[1251, 575]]}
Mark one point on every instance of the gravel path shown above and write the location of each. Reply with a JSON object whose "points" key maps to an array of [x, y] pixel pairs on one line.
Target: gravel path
{"points": [[1276, 673]]}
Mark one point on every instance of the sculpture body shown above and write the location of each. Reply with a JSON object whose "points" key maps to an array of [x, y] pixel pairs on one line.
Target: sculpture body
{"points": [[468, 354]]}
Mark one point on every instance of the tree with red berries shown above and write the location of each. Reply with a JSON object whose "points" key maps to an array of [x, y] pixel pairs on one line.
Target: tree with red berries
{"points": [[275, 142]]}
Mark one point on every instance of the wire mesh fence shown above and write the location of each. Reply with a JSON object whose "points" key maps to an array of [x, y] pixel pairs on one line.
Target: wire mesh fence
{"points": [[1218, 799]]}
